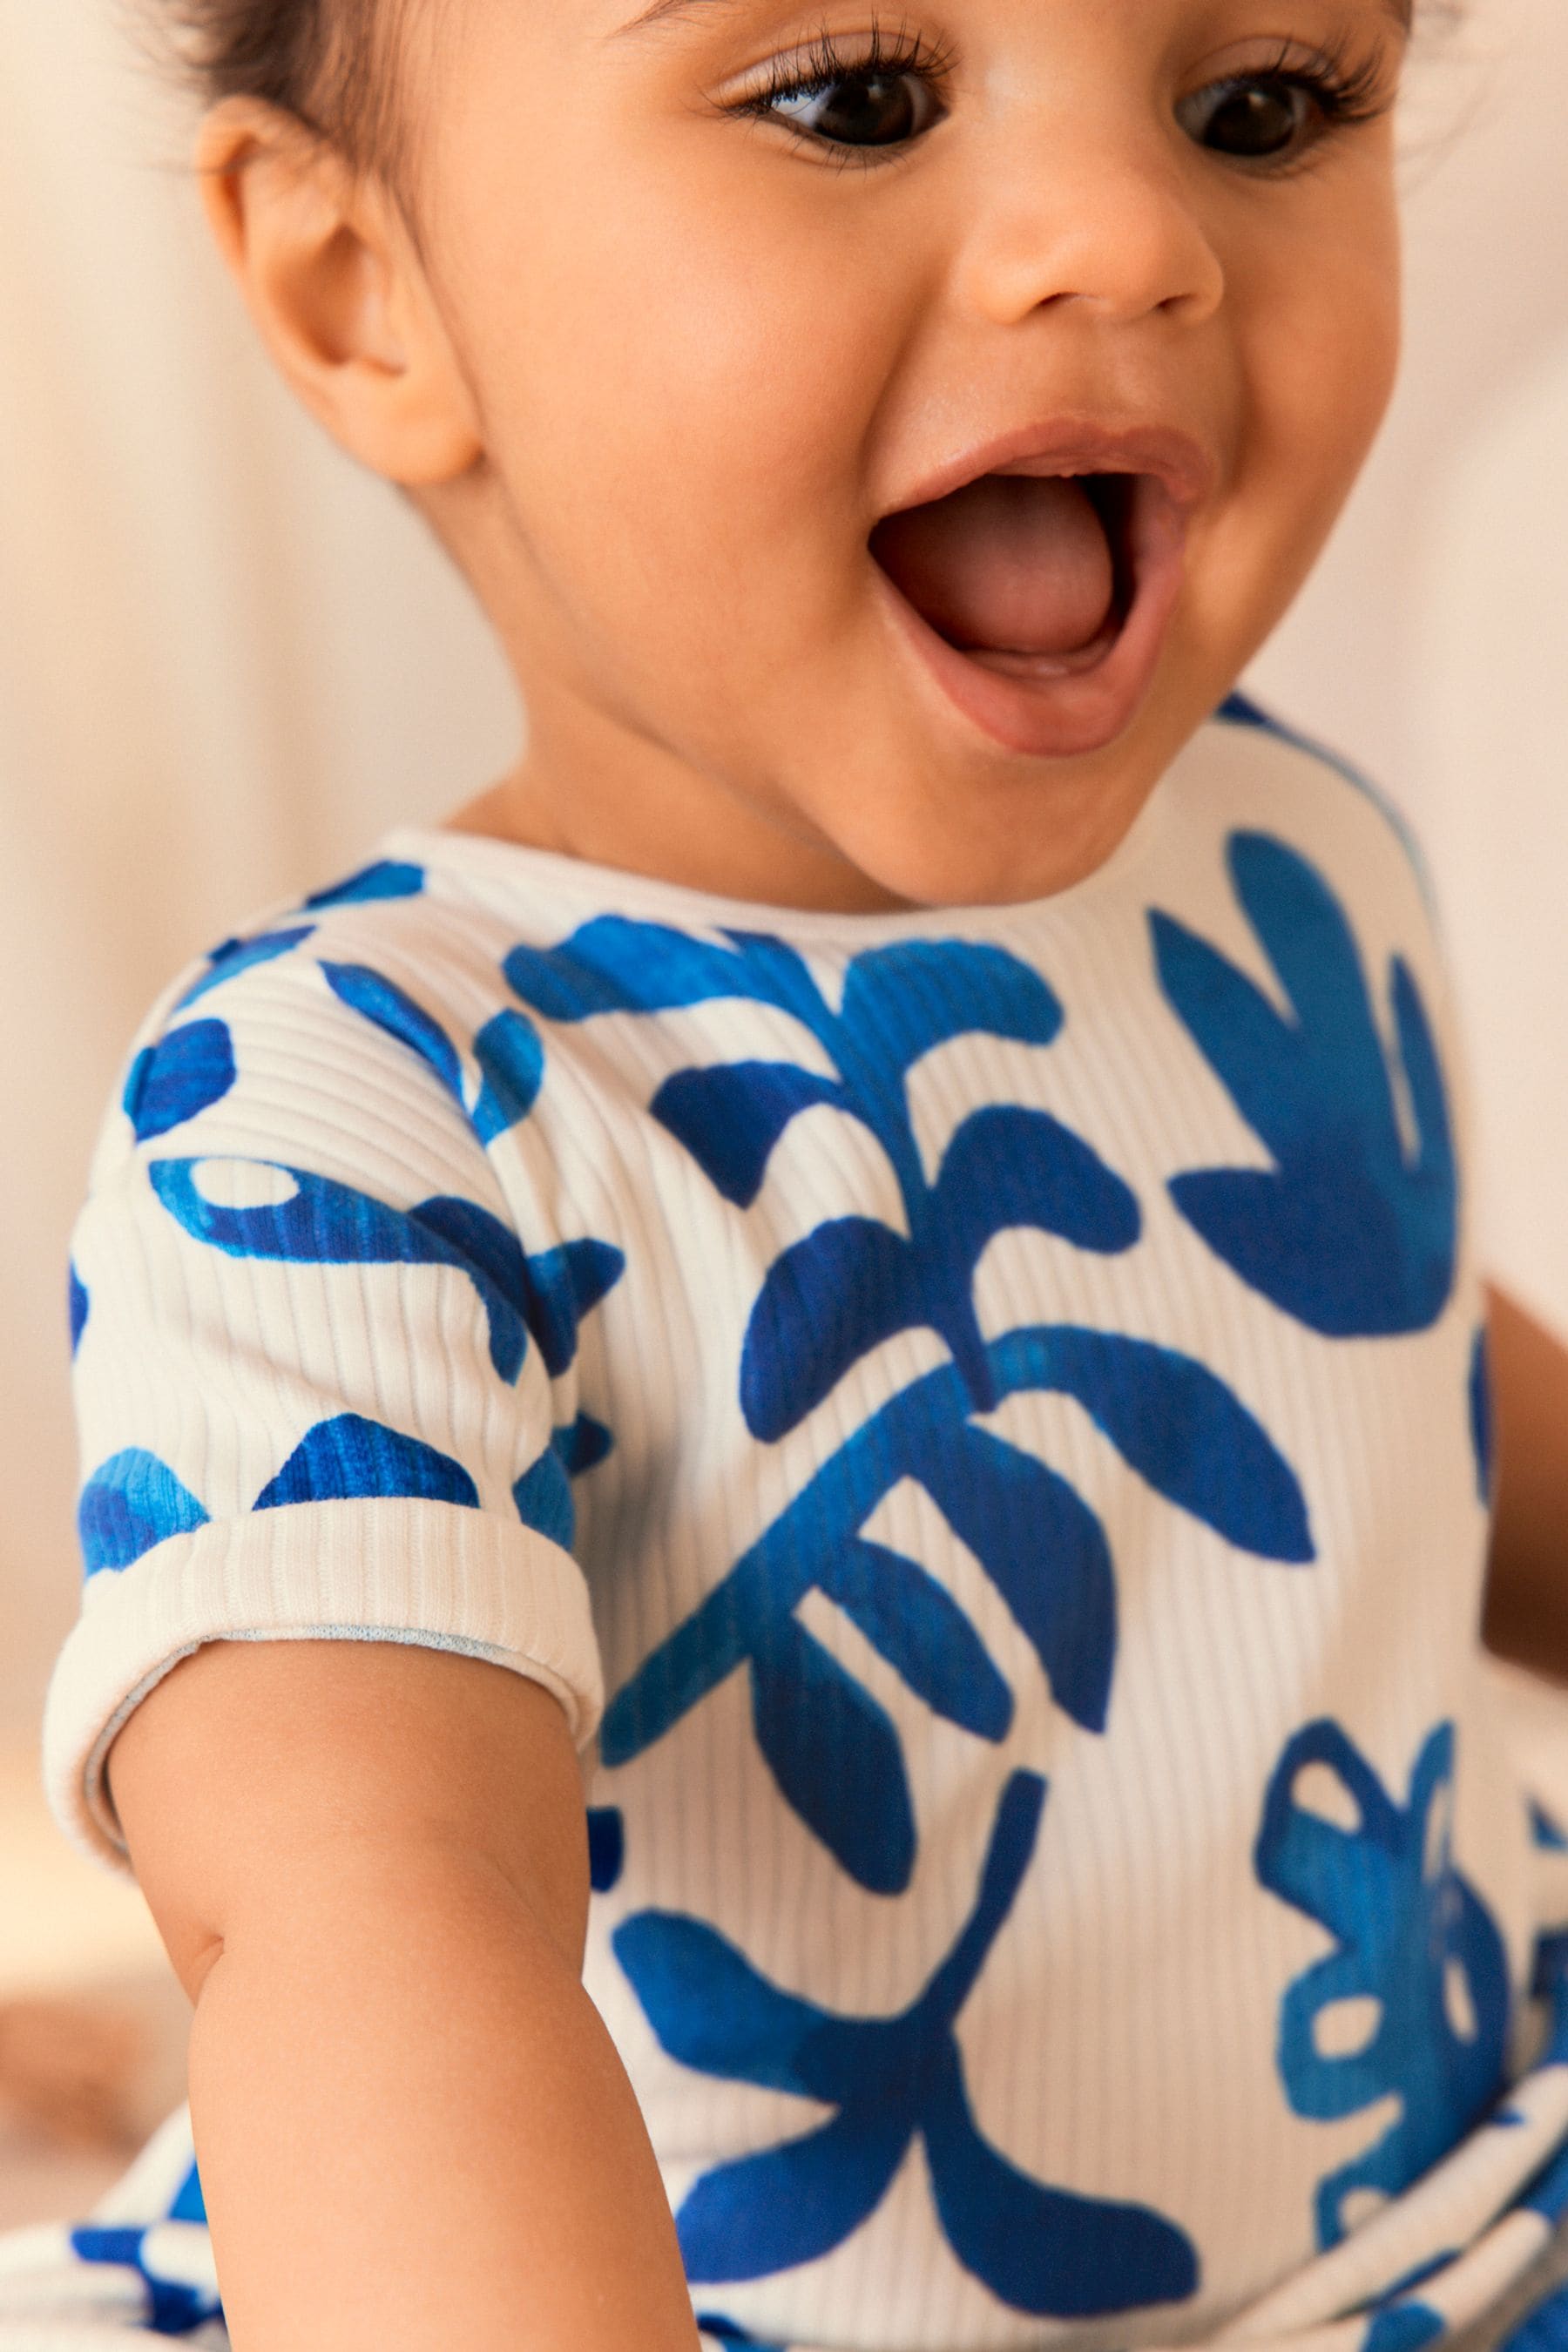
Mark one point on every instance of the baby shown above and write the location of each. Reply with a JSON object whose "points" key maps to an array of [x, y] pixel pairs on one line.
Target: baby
{"points": [[787, 1440]]}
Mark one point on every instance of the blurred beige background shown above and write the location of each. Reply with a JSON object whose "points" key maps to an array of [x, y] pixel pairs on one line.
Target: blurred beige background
{"points": [[226, 661]]}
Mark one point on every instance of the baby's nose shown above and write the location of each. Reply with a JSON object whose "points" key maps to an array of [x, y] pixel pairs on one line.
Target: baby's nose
{"points": [[1108, 221]]}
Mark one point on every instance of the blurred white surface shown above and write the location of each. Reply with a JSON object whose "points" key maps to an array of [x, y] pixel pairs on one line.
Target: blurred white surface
{"points": [[226, 661]]}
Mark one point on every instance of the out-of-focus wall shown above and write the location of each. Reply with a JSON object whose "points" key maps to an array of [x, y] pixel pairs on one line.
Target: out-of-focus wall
{"points": [[226, 661]]}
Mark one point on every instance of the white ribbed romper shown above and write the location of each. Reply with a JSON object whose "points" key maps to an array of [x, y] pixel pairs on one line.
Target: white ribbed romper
{"points": [[978, 1414]]}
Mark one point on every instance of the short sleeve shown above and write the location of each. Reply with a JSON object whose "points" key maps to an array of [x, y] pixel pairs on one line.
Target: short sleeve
{"points": [[313, 1361]]}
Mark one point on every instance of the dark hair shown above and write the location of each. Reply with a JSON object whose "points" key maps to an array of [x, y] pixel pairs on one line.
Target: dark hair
{"points": [[329, 63]]}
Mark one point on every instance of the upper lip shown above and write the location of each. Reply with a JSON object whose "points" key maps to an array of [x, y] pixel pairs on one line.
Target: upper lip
{"points": [[1078, 445]]}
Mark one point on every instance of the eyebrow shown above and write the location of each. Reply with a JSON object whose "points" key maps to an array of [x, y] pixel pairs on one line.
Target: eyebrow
{"points": [[662, 11], [665, 12]]}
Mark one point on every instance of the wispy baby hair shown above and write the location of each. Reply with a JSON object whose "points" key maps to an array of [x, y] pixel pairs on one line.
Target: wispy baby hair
{"points": [[331, 64]]}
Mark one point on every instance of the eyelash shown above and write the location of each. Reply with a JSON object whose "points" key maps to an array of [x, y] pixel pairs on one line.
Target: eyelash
{"points": [[1346, 91], [886, 54]]}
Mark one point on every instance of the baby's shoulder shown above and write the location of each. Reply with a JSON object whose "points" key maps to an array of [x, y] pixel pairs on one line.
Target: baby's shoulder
{"points": [[1263, 774], [371, 1019]]}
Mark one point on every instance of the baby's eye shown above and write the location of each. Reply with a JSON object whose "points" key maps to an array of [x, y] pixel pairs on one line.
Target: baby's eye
{"points": [[870, 107], [1260, 119]]}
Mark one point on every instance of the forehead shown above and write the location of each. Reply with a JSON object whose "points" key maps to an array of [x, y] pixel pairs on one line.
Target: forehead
{"points": [[665, 12]]}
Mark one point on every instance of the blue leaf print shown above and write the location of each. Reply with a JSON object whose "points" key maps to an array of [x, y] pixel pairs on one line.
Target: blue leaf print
{"points": [[511, 1066], [1480, 1404], [613, 964], [1404, 2328], [544, 1494], [1177, 1425], [235, 956], [323, 1223], [834, 1754], [1545, 2329], [1544, 1831], [890, 2081], [1007, 1166], [132, 1503], [388, 878], [731, 1118], [544, 1499], [1239, 710], [174, 2306], [1040, 2249], [729, 2331], [1014, 1514], [562, 1285], [607, 1848], [1412, 1937], [1345, 1232], [391, 1009], [183, 1075], [923, 992], [349, 1458], [826, 1302], [78, 1307], [855, 1282], [584, 1445], [190, 2204], [923, 1635]]}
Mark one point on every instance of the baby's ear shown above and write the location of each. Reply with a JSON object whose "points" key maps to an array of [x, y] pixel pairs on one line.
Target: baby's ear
{"points": [[332, 273]]}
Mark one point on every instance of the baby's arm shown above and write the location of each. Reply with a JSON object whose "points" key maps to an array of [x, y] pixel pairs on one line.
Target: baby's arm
{"points": [[369, 1863], [1527, 1590]]}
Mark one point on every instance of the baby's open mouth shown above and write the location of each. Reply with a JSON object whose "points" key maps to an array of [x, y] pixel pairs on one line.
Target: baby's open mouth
{"points": [[1039, 601], [1026, 572]]}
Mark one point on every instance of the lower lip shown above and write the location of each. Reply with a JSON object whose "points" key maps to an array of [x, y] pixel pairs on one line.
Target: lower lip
{"points": [[1059, 709]]}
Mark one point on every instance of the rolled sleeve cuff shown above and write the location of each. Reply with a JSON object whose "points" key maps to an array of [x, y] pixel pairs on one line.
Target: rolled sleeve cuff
{"points": [[401, 1569]]}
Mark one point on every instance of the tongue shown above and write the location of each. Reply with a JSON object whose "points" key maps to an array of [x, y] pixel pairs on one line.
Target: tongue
{"points": [[1011, 563]]}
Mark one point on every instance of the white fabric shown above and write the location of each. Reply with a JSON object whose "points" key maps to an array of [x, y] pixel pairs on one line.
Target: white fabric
{"points": [[1034, 1575]]}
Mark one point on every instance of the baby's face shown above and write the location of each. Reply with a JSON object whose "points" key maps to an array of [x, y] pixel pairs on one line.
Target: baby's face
{"points": [[901, 426]]}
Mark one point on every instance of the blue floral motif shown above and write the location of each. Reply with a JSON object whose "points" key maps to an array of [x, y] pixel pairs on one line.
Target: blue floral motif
{"points": [[729, 2331], [508, 1049], [1347, 1232], [352, 1458], [190, 2204], [511, 1065], [389, 878], [830, 1746], [79, 1307], [1410, 1934], [320, 1222], [854, 1282], [1404, 2326], [391, 1009], [544, 1499], [235, 956], [1544, 2330], [187, 1072], [174, 2306], [132, 1503], [1239, 709], [606, 1847], [890, 2080]]}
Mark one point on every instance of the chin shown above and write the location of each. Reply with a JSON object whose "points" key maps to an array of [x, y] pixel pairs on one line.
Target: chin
{"points": [[1033, 842]]}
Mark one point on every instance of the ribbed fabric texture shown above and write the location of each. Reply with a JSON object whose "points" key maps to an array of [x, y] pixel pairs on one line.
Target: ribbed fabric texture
{"points": [[980, 1412]]}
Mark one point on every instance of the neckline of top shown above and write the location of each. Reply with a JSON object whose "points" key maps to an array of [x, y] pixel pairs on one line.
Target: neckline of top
{"points": [[623, 890]]}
